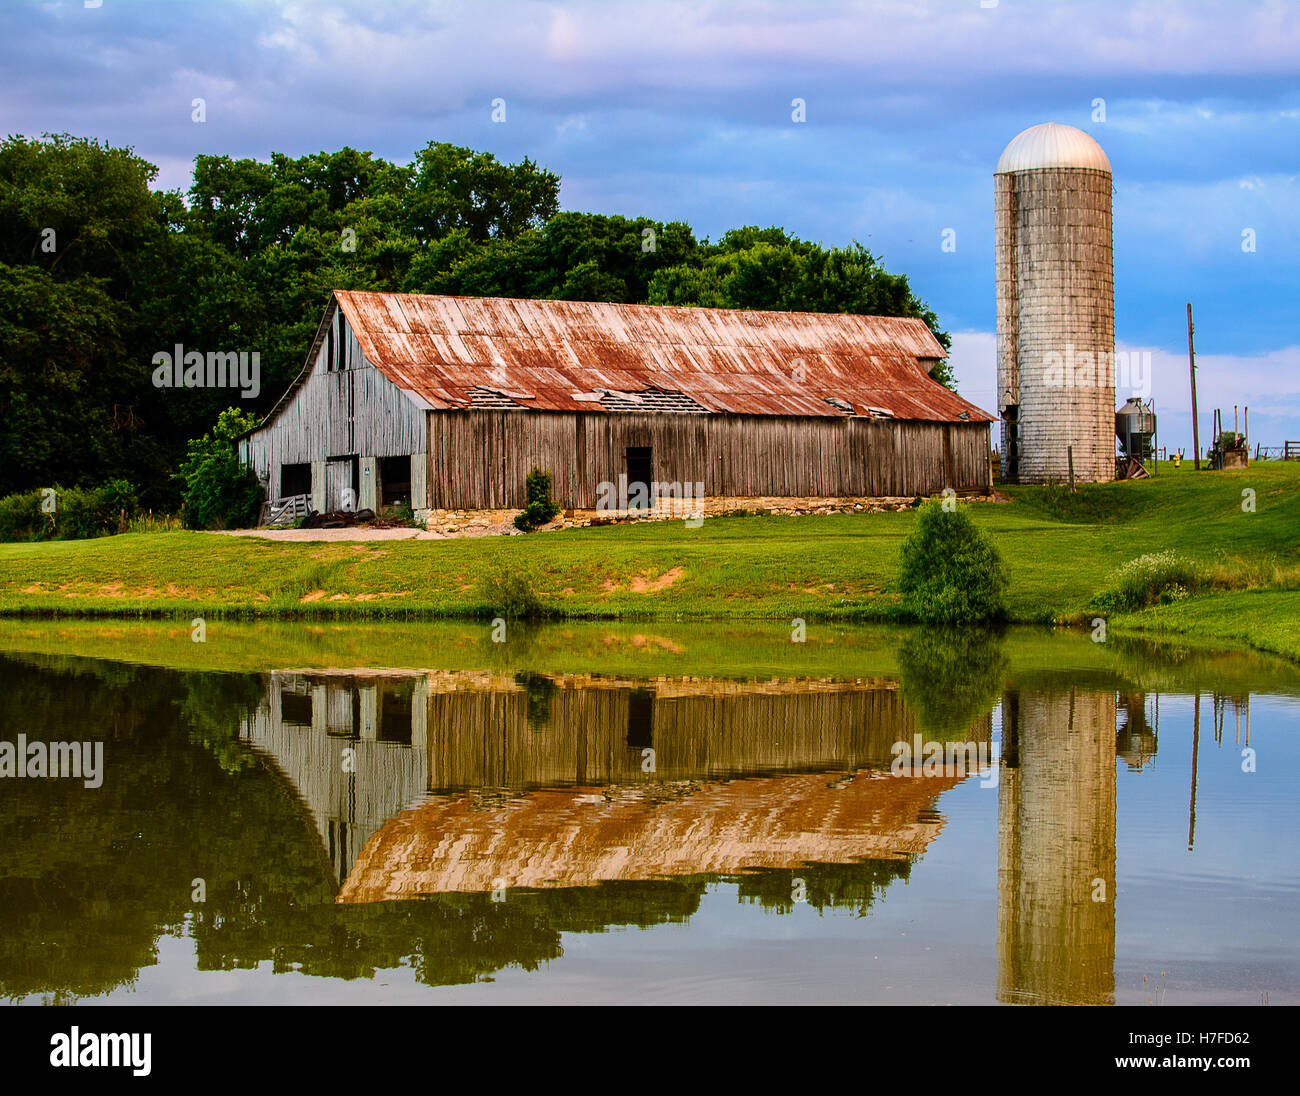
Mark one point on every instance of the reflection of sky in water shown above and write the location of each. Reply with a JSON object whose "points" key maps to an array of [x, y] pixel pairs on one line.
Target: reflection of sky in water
{"points": [[1225, 914], [1218, 920]]}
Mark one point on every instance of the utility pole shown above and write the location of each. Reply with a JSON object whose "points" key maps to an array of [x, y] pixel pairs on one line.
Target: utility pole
{"points": [[1191, 361]]}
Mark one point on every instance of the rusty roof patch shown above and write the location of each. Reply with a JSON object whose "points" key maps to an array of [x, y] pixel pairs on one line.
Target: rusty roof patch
{"points": [[445, 349]]}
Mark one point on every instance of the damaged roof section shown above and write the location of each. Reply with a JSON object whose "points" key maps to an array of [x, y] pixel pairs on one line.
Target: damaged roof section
{"points": [[482, 352]]}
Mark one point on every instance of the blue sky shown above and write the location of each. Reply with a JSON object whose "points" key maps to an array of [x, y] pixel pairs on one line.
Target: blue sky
{"points": [[682, 111]]}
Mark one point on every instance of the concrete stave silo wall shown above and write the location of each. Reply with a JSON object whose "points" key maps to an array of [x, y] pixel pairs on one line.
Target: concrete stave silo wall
{"points": [[1056, 320]]}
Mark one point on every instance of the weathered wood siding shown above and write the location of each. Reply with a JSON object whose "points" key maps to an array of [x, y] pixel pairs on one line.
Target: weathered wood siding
{"points": [[479, 459], [354, 411], [484, 738]]}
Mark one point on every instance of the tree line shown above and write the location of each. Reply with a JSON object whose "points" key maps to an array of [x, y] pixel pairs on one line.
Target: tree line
{"points": [[100, 271]]}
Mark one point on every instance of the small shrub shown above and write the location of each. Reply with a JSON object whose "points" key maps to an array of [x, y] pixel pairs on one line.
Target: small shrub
{"points": [[509, 592], [1155, 578], [539, 507], [950, 572]]}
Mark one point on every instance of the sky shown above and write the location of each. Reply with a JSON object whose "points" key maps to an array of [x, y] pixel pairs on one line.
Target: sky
{"points": [[686, 111]]}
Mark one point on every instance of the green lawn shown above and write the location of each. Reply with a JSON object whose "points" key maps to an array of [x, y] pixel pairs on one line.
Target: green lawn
{"points": [[1059, 549]]}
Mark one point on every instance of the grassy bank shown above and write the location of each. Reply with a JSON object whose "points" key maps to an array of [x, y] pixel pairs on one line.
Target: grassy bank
{"points": [[1060, 550]]}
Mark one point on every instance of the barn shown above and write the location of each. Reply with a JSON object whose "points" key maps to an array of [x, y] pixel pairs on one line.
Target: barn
{"points": [[447, 403]]}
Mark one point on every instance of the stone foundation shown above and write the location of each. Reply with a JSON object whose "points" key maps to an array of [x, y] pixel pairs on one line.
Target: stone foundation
{"points": [[502, 521]]}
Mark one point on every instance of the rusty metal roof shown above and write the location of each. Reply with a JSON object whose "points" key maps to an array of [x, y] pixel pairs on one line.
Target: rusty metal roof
{"points": [[592, 356]]}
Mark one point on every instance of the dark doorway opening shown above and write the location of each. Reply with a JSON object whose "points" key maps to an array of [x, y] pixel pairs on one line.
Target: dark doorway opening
{"points": [[1011, 458], [295, 479], [396, 707], [394, 480], [640, 471], [641, 718]]}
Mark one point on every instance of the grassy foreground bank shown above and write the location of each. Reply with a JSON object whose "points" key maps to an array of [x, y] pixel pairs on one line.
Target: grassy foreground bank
{"points": [[1060, 550]]}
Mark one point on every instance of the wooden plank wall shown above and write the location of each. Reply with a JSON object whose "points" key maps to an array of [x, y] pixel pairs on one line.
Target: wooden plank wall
{"points": [[479, 459], [354, 411], [482, 738]]}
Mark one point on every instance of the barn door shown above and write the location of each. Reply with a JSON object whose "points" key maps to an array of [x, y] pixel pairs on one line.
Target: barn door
{"points": [[341, 484]]}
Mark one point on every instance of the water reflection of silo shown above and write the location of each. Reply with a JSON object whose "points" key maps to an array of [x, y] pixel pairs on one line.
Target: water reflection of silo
{"points": [[1056, 849]]}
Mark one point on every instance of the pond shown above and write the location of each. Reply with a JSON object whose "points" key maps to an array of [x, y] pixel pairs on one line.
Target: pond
{"points": [[596, 813]]}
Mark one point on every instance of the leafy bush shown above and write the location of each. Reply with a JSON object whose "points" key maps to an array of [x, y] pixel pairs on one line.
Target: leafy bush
{"points": [[509, 592], [539, 507], [950, 572], [1156, 578], [21, 518], [220, 492], [79, 513]]}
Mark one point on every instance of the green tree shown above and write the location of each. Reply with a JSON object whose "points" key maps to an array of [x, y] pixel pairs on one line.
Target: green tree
{"points": [[77, 219], [457, 188], [220, 492]]}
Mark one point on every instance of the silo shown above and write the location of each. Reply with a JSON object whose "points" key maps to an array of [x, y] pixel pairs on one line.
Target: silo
{"points": [[1056, 306]]}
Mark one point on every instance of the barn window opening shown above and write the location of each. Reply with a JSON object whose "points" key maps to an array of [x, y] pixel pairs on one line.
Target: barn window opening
{"points": [[640, 470], [641, 718], [340, 344], [295, 479], [295, 708], [394, 480], [396, 706]]}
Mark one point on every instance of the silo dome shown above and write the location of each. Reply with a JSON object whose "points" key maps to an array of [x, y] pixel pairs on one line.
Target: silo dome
{"points": [[1052, 145]]}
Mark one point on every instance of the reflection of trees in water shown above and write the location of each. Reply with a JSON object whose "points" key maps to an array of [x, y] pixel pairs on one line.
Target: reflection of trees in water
{"points": [[951, 676], [90, 877], [211, 708], [852, 888]]}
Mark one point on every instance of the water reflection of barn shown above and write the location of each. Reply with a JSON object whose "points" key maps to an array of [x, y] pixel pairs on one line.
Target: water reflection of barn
{"points": [[415, 733]]}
